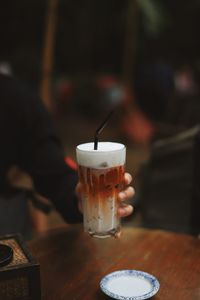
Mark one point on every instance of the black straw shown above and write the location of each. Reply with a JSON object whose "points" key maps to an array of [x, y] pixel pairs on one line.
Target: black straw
{"points": [[100, 128]]}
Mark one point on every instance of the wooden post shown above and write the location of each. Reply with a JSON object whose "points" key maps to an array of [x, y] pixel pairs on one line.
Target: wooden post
{"points": [[48, 54], [130, 44]]}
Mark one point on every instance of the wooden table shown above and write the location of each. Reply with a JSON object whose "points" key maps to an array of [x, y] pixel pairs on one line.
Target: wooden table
{"points": [[72, 263]]}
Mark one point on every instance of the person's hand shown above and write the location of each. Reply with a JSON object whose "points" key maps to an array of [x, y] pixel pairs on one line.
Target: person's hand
{"points": [[124, 209]]}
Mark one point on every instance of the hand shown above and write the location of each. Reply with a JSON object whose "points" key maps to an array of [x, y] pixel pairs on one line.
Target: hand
{"points": [[124, 209]]}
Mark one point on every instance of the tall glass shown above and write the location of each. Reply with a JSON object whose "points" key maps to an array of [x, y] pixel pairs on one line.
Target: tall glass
{"points": [[101, 173]]}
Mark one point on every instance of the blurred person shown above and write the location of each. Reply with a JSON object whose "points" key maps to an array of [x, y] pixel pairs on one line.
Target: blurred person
{"points": [[29, 143]]}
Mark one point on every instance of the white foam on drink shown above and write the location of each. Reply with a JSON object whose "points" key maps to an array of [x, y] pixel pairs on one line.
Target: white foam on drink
{"points": [[108, 154]]}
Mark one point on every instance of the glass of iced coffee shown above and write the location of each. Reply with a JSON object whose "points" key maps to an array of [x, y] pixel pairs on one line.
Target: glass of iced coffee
{"points": [[101, 173]]}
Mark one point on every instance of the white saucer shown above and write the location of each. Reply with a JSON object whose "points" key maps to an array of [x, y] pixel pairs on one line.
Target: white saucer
{"points": [[129, 285]]}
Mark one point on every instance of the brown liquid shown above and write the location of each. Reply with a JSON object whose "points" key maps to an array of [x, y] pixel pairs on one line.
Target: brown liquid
{"points": [[101, 183], [100, 188]]}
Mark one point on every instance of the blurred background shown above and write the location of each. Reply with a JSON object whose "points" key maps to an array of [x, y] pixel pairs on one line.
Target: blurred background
{"points": [[140, 58]]}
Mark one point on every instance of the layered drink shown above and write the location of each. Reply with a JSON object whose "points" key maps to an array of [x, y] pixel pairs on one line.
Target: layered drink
{"points": [[101, 173]]}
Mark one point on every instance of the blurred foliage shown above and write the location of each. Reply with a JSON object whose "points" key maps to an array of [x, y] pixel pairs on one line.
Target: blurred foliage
{"points": [[156, 17]]}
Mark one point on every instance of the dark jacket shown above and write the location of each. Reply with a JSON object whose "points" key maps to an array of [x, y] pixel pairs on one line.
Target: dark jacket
{"points": [[28, 140]]}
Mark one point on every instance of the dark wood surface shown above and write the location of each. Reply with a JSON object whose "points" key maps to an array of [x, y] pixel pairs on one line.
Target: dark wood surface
{"points": [[72, 263]]}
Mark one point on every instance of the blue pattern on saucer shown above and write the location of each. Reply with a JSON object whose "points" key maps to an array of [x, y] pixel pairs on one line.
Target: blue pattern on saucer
{"points": [[130, 273]]}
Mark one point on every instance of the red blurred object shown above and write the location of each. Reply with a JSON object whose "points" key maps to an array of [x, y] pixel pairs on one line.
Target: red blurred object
{"points": [[71, 163], [65, 91], [138, 128], [107, 81], [135, 124]]}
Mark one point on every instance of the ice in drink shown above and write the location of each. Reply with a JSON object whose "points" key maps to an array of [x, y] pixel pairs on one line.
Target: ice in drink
{"points": [[101, 173]]}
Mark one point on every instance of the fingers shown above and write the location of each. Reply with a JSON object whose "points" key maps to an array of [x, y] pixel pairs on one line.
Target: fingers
{"points": [[125, 210], [126, 194], [127, 178]]}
